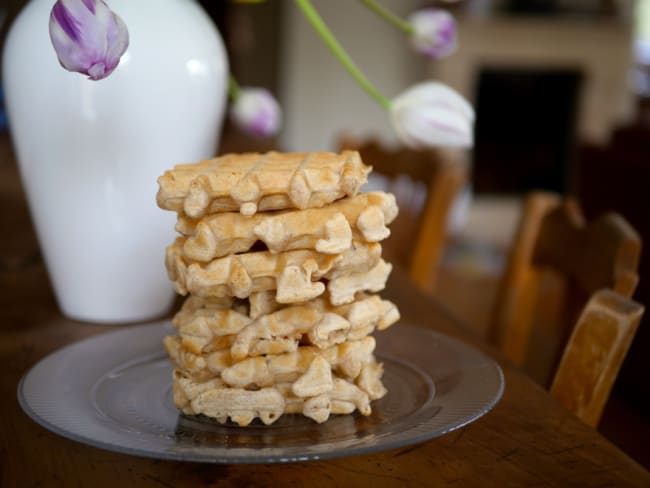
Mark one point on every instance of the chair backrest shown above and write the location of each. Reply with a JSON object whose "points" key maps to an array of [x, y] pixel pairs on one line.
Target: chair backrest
{"points": [[556, 249], [426, 184], [595, 353]]}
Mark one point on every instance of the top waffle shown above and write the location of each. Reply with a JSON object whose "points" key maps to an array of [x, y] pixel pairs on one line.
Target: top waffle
{"points": [[252, 182]]}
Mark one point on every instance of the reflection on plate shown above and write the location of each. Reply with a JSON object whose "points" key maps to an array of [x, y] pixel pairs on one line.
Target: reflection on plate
{"points": [[113, 391]]}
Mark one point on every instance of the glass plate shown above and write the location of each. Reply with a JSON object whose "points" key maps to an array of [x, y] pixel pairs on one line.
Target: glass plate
{"points": [[113, 391]]}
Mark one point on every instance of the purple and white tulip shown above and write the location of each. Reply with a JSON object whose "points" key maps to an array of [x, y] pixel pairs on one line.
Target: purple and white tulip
{"points": [[88, 37], [256, 112], [431, 114], [434, 32]]}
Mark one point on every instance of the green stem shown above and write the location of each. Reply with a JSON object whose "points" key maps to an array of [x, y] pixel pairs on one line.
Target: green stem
{"points": [[338, 51], [234, 90], [389, 16]]}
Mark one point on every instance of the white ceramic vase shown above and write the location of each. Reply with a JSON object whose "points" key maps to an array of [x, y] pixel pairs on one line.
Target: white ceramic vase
{"points": [[90, 152]]}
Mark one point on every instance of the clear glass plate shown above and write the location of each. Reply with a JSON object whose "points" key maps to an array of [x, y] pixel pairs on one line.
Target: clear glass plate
{"points": [[113, 391]]}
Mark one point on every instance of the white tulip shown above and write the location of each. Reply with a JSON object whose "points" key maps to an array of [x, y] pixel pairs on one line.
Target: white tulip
{"points": [[256, 112], [434, 32], [431, 114]]}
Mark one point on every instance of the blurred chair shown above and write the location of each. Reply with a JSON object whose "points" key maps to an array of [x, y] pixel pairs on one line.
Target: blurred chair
{"points": [[425, 184], [615, 177], [578, 351]]}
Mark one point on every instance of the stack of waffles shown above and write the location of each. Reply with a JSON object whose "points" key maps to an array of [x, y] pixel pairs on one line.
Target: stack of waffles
{"points": [[280, 256]]}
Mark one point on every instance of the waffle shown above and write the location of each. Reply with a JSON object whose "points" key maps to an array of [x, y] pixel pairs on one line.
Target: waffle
{"points": [[293, 274], [211, 398], [261, 182], [203, 329], [328, 230], [317, 394], [347, 359]]}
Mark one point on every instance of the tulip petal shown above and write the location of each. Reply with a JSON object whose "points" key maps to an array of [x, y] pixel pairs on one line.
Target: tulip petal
{"points": [[68, 23], [90, 5]]}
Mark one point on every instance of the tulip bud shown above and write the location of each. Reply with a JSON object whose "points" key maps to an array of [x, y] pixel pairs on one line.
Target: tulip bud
{"points": [[256, 112], [88, 37], [432, 114], [434, 32]]}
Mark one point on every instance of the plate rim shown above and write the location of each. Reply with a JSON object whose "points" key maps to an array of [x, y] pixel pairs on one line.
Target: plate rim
{"points": [[260, 459]]}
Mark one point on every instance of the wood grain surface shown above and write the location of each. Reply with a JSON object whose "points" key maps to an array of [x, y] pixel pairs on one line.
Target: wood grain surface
{"points": [[527, 440]]}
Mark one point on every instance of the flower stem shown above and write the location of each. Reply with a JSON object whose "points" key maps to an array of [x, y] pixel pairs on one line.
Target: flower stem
{"points": [[389, 16], [338, 51], [234, 90]]}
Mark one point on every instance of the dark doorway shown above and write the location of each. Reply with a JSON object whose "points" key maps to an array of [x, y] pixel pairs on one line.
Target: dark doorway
{"points": [[525, 130]]}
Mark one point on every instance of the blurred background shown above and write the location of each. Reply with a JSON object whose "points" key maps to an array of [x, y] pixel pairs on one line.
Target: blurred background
{"points": [[562, 94]]}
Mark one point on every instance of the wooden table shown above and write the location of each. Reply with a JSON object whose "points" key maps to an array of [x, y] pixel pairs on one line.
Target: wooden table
{"points": [[526, 440]]}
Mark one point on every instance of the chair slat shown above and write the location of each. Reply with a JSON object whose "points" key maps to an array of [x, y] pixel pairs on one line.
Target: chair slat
{"points": [[594, 354]]}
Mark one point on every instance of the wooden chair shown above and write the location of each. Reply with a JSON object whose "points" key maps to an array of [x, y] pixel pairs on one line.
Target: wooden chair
{"points": [[426, 184], [578, 351]]}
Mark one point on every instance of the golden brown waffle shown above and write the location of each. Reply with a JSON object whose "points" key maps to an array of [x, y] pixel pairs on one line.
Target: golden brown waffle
{"points": [[328, 230], [211, 398], [261, 182], [316, 322], [317, 394], [346, 359], [293, 274]]}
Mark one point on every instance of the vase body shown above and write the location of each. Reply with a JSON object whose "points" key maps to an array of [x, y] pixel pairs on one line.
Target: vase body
{"points": [[90, 152]]}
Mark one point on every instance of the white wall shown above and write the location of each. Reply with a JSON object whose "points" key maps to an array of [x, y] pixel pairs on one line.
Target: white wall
{"points": [[601, 49], [319, 98]]}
